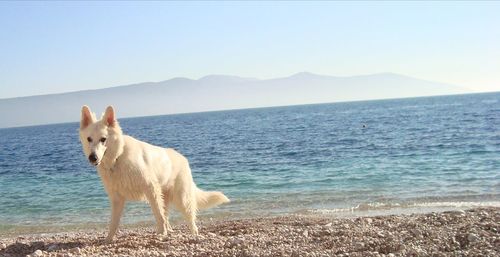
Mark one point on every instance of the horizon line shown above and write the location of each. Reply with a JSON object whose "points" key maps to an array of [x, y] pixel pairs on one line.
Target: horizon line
{"points": [[249, 78], [261, 107]]}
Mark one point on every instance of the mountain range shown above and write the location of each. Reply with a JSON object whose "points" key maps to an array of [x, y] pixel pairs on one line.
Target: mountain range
{"points": [[215, 92]]}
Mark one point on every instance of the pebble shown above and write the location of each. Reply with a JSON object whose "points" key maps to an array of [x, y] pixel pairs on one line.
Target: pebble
{"points": [[52, 247], [232, 242], [472, 238], [3, 246], [416, 232], [359, 245], [305, 233], [76, 250], [37, 253], [459, 212]]}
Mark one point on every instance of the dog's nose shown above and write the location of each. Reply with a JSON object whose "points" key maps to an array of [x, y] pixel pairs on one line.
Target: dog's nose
{"points": [[92, 158]]}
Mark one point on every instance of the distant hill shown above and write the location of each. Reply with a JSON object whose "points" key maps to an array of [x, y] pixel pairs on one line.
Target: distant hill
{"points": [[214, 92]]}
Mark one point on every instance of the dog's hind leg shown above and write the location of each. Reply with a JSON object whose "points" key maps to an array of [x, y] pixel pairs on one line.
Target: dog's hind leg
{"points": [[155, 199], [189, 209], [167, 199], [117, 204]]}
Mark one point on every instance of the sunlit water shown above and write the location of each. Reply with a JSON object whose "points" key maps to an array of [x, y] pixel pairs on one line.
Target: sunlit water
{"points": [[341, 158]]}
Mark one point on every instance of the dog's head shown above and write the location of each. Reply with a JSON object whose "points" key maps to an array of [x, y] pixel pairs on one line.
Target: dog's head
{"points": [[97, 136]]}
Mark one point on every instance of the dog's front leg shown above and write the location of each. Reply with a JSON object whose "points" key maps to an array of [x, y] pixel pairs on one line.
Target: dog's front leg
{"points": [[117, 204], [155, 199]]}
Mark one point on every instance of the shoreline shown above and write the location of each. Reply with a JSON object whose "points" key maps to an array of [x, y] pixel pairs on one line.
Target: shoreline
{"points": [[364, 210], [361, 210], [471, 232]]}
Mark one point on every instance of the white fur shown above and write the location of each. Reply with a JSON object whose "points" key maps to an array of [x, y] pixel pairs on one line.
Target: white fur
{"points": [[135, 170]]}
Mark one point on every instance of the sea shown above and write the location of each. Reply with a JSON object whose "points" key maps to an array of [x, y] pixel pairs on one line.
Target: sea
{"points": [[342, 159]]}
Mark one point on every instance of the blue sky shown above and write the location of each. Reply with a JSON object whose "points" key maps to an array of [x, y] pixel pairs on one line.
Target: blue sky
{"points": [[50, 47]]}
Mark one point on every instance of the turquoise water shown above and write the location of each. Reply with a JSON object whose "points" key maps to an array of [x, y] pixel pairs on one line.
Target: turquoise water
{"points": [[410, 153]]}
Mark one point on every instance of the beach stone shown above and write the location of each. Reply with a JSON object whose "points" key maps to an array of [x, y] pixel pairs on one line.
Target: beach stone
{"points": [[3, 246], [416, 232], [52, 247], [37, 253], [234, 242], [459, 212], [76, 250], [305, 233], [328, 225], [472, 238], [359, 245]]}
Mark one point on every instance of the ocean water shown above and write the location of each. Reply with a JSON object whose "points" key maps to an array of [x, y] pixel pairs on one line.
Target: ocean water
{"points": [[341, 158]]}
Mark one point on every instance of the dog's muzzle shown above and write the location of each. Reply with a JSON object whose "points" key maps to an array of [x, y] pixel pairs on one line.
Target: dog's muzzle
{"points": [[93, 159]]}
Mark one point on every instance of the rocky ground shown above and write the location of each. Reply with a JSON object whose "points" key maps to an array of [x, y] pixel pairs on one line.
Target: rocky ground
{"points": [[473, 232]]}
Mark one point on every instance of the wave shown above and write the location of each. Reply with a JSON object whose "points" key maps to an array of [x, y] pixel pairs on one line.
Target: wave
{"points": [[394, 207]]}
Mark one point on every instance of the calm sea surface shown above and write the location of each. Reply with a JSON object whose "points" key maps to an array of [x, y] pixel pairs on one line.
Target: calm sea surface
{"points": [[411, 154]]}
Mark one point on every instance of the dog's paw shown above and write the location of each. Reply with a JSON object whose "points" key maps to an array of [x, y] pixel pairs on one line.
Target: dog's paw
{"points": [[164, 230], [108, 240]]}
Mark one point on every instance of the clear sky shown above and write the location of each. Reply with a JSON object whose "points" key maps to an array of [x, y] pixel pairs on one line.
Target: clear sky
{"points": [[50, 47]]}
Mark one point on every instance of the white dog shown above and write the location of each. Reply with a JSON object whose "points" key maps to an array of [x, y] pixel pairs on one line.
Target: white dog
{"points": [[135, 170]]}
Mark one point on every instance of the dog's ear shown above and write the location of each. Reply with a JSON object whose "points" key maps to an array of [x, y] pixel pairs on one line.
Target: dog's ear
{"points": [[87, 117], [109, 116]]}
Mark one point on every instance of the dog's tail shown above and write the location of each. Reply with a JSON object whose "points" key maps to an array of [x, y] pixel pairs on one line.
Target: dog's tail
{"points": [[207, 199]]}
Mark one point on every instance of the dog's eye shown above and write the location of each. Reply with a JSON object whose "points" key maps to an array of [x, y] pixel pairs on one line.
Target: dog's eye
{"points": [[89, 139], [103, 139]]}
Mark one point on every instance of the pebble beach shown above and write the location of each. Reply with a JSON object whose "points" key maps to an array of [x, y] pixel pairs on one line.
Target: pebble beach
{"points": [[473, 232]]}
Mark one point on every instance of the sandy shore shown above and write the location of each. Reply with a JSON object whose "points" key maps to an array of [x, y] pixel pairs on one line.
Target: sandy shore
{"points": [[473, 232]]}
